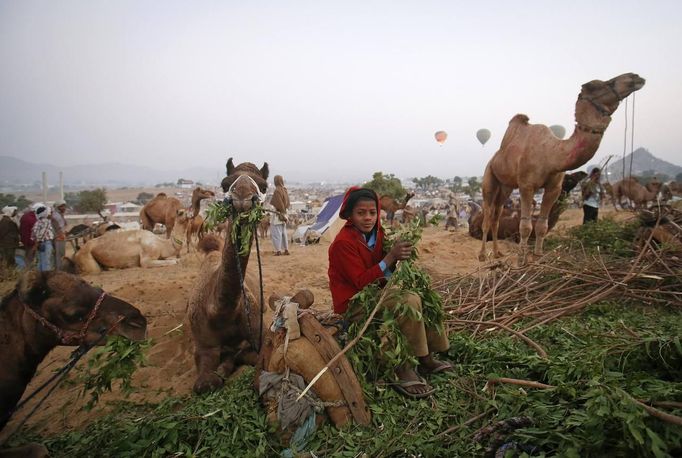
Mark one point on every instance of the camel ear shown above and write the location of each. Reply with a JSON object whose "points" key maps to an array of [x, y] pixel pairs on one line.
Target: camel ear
{"points": [[230, 167], [32, 288], [592, 85], [265, 171]]}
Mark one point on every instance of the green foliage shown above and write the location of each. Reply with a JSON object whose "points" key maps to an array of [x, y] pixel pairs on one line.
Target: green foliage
{"points": [[605, 235], [457, 184], [428, 182], [144, 197], [91, 201], [115, 361], [243, 223], [20, 202], [72, 199], [386, 185], [595, 363], [436, 219], [473, 186]]}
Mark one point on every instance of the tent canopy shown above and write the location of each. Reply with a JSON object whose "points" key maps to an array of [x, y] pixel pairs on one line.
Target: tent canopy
{"points": [[327, 224]]}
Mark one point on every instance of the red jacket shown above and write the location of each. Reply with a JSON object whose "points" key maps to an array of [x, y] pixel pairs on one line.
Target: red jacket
{"points": [[352, 265], [26, 223]]}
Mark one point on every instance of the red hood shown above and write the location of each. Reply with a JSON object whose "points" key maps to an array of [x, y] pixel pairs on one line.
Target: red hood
{"points": [[344, 204]]}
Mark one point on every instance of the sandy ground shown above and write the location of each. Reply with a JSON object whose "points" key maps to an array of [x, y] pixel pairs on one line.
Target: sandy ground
{"points": [[161, 294]]}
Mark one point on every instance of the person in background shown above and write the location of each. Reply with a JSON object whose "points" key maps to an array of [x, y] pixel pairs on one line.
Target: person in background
{"points": [[278, 221], [26, 223], [42, 236], [59, 226], [356, 259], [592, 192], [9, 236]]}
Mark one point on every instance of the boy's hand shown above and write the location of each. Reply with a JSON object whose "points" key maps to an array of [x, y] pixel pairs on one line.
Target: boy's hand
{"points": [[401, 250]]}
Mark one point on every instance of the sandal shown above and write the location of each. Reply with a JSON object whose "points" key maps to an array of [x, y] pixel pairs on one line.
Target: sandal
{"points": [[442, 366], [402, 386]]}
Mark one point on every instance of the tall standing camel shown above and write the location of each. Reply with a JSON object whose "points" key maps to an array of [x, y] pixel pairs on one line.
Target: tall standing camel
{"points": [[47, 309], [531, 157], [195, 220], [390, 205], [225, 328], [161, 209]]}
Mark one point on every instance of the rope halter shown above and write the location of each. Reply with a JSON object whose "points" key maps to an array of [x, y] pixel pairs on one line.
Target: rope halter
{"points": [[259, 195], [68, 337]]}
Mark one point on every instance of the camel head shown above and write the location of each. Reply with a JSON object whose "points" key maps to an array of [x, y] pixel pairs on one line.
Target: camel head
{"points": [[604, 97], [571, 180], [200, 194], [67, 302], [245, 184]]}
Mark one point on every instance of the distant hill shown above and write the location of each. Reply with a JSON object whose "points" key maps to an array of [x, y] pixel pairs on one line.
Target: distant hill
{"points": [[642, 161], [15, 171]]}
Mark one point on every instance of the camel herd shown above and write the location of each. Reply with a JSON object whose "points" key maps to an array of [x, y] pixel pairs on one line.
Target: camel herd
{"points": [[55, 308]]}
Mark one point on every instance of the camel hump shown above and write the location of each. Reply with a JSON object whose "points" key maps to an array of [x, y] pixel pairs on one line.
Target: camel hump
{"points": [[162, 194], [516, 122], [210, 243]]}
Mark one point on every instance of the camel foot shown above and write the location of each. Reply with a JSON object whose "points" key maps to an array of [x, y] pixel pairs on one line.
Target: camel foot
{"points": [[226, 368], [482, 257], [207, 383]]}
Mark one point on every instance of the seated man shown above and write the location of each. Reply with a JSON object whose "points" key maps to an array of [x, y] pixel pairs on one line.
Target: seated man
{"points": [[356, 259]]}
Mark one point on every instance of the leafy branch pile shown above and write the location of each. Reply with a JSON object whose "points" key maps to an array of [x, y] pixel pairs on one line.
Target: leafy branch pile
{"points": [[597, 363], [243, 223], [384, 336], [115, 361]]}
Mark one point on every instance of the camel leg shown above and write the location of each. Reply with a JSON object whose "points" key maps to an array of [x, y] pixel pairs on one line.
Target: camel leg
{"points": [[494, 227], [207, 360], [549, 197], [525, 225], [146, 262]]}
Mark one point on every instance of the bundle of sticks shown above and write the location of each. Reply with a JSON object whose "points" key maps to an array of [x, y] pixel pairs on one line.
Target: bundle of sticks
{"points": [[499, 296]]}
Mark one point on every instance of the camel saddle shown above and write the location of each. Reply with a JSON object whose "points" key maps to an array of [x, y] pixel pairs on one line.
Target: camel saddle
{"points": [[299, 341]]}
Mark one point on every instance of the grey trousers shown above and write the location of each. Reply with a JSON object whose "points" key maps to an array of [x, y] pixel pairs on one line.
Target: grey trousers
{"points": [[278, 233]]}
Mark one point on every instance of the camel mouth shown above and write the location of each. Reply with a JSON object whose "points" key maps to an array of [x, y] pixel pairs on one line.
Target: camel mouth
{"points": [[242, 205], [638, 83]]}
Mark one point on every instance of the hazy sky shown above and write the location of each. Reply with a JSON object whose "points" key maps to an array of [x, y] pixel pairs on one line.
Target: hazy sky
{"points": [[323, 90]]}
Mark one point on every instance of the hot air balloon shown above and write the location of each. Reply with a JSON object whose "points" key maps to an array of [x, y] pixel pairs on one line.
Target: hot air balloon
{"points": [[441, 136], [558, 130], [483, 135]]}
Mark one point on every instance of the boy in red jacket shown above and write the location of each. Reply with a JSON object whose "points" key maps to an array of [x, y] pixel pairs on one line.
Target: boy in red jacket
{"points": [[356, 259]]}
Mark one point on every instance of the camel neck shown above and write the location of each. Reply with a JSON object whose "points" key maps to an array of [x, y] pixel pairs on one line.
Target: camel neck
{"points": [[233, 271], [576, 150]]}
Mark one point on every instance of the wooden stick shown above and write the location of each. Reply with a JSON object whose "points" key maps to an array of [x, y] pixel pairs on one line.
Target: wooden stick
{"points": [[538, 348], [471, 420], [515, 381]]}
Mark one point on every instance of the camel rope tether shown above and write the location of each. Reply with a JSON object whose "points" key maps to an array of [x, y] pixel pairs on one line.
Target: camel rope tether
{"points": [[247, 304], [632, 133]]}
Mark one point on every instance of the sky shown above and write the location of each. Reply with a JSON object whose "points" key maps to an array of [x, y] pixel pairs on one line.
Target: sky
{"points": [[321, 90]]}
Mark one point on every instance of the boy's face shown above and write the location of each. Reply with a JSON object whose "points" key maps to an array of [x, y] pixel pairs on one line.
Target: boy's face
{"points": [[364, 215]]}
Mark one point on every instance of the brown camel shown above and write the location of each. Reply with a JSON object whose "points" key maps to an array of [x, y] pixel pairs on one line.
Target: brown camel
{"points": [[531, 157], [264, 226], [675, 188], [390, 205], [223, 314], [510, 219], [47, 309], [161, 209], [123, 249], [636, 193], [195, 225]]}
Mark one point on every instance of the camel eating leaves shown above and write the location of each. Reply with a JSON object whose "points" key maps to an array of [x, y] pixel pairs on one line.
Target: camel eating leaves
{"points": [[222, 312], [531, 157], [47, 309], [123, 249]]}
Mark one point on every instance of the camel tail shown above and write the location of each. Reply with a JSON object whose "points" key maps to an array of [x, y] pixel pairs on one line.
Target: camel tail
{"points": [[210, 243], [516, 122]]}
